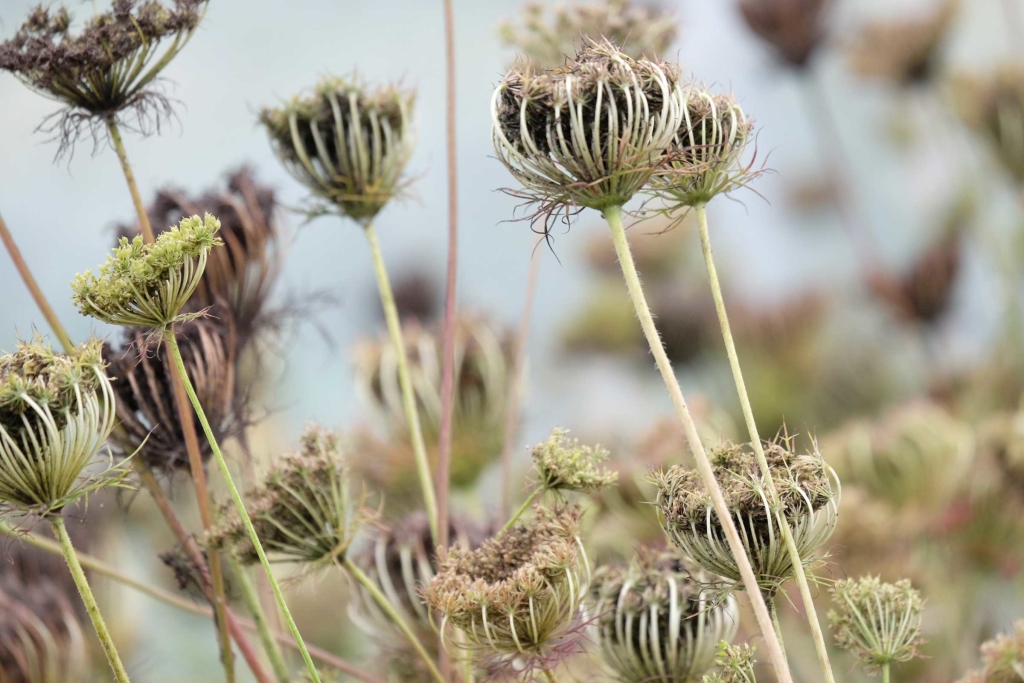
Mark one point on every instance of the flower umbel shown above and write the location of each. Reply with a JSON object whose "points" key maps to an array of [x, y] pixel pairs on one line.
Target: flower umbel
{"points": [[807, 497], [56, 411], [346, 143], [657, 620], [880, 623], [1002, 659], [736, 664], [564, 464], [148, 284], [795, 28]]}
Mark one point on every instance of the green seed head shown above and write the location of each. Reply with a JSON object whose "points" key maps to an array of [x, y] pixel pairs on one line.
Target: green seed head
{"points": [[563, 464], [735, 664]]}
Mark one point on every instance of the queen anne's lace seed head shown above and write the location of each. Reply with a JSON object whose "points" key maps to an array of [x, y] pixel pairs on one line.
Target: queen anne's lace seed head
{"points": [[809, 495], [41, 638], [56, 412], [880, 623], [657, 620], [348, 144], [148, 284], [735, 664], [588, 135], [794, 28], [564, 464]]}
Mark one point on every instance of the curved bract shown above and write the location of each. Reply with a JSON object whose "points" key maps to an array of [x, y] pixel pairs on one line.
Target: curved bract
{"points": [[880, 623]]}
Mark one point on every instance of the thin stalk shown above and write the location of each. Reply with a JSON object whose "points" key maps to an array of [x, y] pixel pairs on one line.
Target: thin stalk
{"points": [[613, 215], [515, 393], [522, 508], [172, 344], [885, 673], [550, 676], [755, 440], [252, 603], [381, 600], [61, 532], [33, 288], [412, 417], [129, 177], [773, 607]]}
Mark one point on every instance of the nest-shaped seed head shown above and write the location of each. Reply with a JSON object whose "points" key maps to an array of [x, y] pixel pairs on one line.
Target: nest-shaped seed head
{"points": [[735, 664], [706, 155], [302, 512], [148, 284], [880, 623], [588, 135], [1002, 659], [109, 69], [520, 594], [347, 143], [658, 621], [564, 464], [794, 28], [546, 38], [904, 51], [56, 411], [809, 495]]}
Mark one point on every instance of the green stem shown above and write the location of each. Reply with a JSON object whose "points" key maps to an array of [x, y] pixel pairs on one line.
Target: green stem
{"points": [[755, 441], [613, 215], [774, 608], [252, 603], [412, 417], [550, 676], [172, 344], [61, 532], [129, 177], [381, 600], [522, 508], [885, 673]]}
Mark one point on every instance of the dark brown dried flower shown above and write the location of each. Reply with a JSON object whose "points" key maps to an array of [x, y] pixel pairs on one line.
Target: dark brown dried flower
{"points": [[108, 70], [416, 298], [41, 638], [923, 294], [146, 408], [903, 51], [795, 28]]}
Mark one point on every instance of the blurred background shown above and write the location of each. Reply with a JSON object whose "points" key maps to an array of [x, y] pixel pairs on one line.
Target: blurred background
{"points": [[873, 275]]}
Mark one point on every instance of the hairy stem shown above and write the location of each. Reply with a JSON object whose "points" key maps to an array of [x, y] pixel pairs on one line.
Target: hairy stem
{"points": [[61, 532], [129, 177], [773, 607], [614, 217], [172, 343], [755, 440], [252, 603], [412, 417], [381, 600], [522, 508]]}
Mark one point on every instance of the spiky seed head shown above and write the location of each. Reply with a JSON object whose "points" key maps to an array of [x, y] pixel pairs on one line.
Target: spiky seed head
{"points": [[56, 411], [880, 623], [588, 135], [906, 50], [109, 69], [658, 621], [794, 28], [735, 664], [41, 638], [546, 39], [520, 594], [706, 155], [809, 495], [303, 510], [347, 143], [564, 464], [147, 285], [1002, 659]]}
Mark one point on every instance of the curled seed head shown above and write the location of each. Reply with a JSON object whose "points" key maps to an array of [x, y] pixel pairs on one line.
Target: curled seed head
{"points": [[880, 623], [564, 464], [1002, 659], [657, 619], [808, 492], [148, 284], [794, 28], [904, 51], [56, 411], [348, 144]]}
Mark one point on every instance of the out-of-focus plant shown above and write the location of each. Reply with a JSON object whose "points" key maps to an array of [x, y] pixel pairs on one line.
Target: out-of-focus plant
{"points": [[1002, 659]]}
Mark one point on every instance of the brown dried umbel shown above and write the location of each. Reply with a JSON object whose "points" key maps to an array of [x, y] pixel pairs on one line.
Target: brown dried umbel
{"points": [[142, 381], [795, 28], [109, 70], [905, 52], [924, 292], [241, 275], [639, 30]]}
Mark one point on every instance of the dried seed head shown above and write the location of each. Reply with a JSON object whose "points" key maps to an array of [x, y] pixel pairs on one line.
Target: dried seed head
{"points": [[146, 409], [809, 496], [110, 69], [56, 412], [705, 158], [348, 144], [148, 284], [736, 664], [562, 464], [924, 293], [993, 107], [904, 51], [794, 28], [1002, 659], [519, 595], [302, 512], [657, 620], [546, 40], [880, 623], [588, 135]]}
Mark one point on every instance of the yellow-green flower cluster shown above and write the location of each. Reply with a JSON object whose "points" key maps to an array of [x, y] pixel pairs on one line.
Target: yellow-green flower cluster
{"points": [[564, 464], [735, 664]]}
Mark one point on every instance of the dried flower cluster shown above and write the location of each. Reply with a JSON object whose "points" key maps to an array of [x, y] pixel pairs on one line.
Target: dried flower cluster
{"points": [[41, 639], [878, 622], [904, 51], [564, 464], [794, 28]]}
